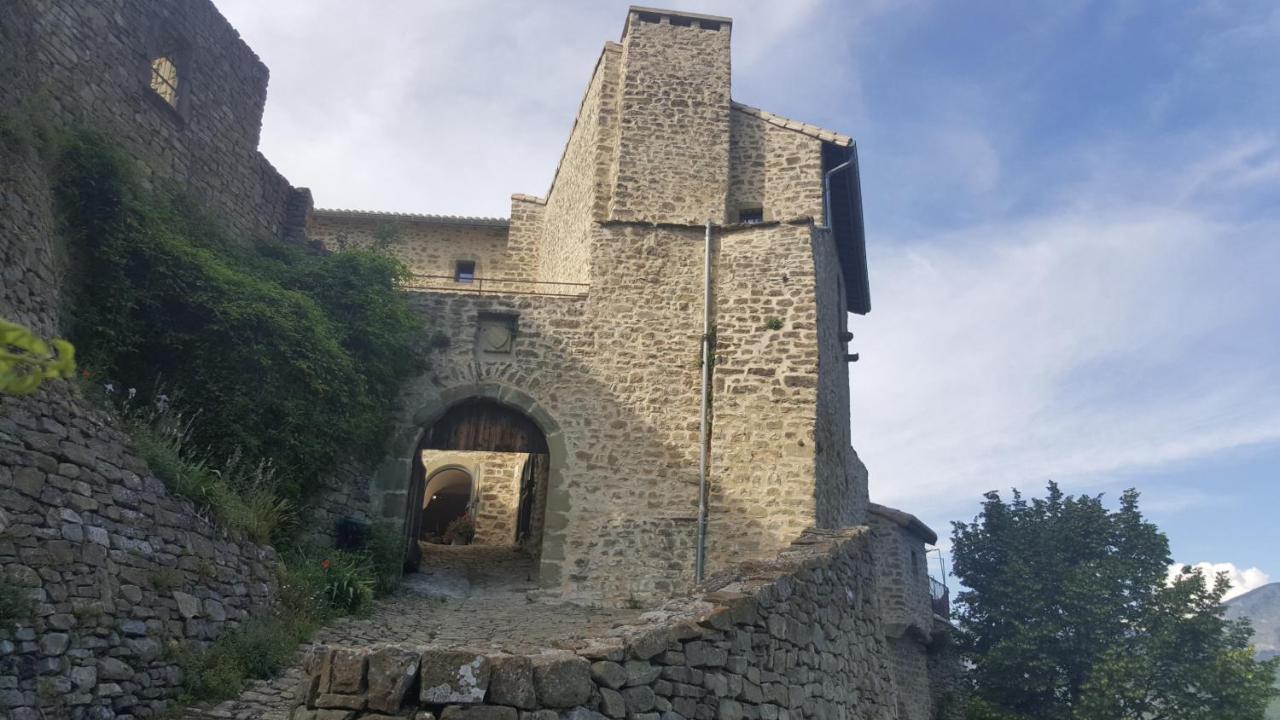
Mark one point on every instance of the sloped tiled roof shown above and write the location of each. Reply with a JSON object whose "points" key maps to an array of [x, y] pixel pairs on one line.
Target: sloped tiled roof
{"points": [[803, 128], [411, 217]]}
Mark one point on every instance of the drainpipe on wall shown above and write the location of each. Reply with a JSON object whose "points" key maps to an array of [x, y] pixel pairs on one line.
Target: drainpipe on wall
{"points": [[700, 557]]}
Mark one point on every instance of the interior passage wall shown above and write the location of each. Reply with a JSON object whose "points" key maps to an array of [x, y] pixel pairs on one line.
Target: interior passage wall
{"points": [[495, 478]]}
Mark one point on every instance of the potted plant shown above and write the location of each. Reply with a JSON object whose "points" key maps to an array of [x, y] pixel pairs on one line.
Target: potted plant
{"points": [[460, 530]]}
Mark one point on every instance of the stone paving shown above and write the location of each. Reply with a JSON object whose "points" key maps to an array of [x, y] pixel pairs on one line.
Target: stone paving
{"points": [[478, 597]]}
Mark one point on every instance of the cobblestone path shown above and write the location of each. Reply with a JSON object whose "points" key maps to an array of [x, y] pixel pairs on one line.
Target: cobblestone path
{"points": [[477, 597]]}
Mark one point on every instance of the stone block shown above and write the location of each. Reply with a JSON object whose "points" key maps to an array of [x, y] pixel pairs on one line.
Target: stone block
{"points": [[641, 672], [188, 605], [112, 669], [609, 674], [454, 676], [562, 680], [638, 699], [645, 645], [511, 682], [306, 691], [347, 669], [391, 673], [339, 701], [612, 703], [479, 712]]}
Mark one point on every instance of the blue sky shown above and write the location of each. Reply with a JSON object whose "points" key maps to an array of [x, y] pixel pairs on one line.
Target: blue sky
{"points": [[1073, 213]]}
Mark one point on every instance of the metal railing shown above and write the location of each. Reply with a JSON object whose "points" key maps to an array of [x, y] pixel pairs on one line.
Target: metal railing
{"points": [[940, 594], [477, 285]]}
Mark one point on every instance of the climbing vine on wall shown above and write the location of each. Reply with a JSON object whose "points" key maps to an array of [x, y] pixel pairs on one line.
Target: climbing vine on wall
{"points": [[278, 352]]}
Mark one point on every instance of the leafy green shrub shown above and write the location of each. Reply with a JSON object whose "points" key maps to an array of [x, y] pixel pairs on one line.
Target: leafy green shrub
{"points": [[323, 581], [287, 355], [259, 649], [386, 555], [26, 360], [242, 496]]}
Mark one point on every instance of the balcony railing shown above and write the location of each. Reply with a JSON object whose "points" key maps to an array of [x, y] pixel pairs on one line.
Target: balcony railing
{"points": [[940, 594], [476, 285]]}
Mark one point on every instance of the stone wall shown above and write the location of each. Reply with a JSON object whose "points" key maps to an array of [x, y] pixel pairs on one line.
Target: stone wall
{"points": [[117, 568], [902, 577], [343, 494], [902, 568], [796, 637], [773, 168], [77, 64], [673, 144], [427, 245], [576, 190], [840, 487]]}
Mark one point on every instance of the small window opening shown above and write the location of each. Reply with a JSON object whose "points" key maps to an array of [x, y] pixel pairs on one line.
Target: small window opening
{"points": [[751, 216], [165, 79], [681, 22], [464, 271], [649, 18], [709, 25]]}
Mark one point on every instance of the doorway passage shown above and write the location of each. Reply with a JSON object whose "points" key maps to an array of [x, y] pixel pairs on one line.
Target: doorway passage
{"points": [[480, 478]]}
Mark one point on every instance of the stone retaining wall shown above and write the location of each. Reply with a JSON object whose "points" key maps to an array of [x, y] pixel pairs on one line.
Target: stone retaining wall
{"points": [[797, 637], [117, 569]]}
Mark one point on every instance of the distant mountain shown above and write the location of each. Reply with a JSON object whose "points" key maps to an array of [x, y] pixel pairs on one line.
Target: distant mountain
{"points": [[1261, 607]]}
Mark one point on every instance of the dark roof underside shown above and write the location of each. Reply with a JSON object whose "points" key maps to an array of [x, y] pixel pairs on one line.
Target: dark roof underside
{"points": [[846, 224]]}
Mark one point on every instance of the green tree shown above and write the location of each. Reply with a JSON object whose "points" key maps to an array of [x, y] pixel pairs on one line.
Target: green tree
{"points": [[1067, 615]]}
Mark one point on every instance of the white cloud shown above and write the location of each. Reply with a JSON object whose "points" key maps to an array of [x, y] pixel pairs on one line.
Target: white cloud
{"points": [[1064, 346], [1242, 579]]}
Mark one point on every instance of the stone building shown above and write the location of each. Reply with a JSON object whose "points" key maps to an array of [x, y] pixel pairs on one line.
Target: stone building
{"points": [[565, 371], [583, 312]]}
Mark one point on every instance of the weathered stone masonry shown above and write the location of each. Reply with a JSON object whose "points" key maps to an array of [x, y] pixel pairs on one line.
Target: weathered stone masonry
{"points": [[657, 149], [601, 280], [797, 637], [117, 568]]}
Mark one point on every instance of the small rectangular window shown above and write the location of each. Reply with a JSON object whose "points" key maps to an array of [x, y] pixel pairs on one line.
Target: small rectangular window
{"points": [[165, 79], [681, 21], [751, 216], [464, 271]]}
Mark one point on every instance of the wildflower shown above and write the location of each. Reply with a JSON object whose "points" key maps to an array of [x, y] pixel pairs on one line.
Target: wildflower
{"points": [[110, 387], [84, 373], [133, 392], [325, 564]]}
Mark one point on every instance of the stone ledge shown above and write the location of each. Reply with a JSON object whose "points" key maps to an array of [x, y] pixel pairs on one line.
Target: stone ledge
{"points": [[794, 636]]}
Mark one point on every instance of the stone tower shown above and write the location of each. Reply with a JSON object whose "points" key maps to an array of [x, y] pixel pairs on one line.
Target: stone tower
{"points": [[599, 285]]}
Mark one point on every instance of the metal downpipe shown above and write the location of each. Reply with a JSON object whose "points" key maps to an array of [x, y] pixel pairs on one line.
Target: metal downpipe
{"points": [[700, 556]]}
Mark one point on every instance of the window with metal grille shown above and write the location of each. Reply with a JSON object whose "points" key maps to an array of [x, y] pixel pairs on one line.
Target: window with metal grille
{"points": [[751, 216], [164, 79]]}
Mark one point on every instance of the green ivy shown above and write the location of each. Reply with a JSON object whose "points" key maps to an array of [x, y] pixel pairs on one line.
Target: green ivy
{"points": [[277, 351]]}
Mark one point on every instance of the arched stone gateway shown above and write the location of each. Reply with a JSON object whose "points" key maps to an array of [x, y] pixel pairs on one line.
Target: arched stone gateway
{"points": [[519, 496]]}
